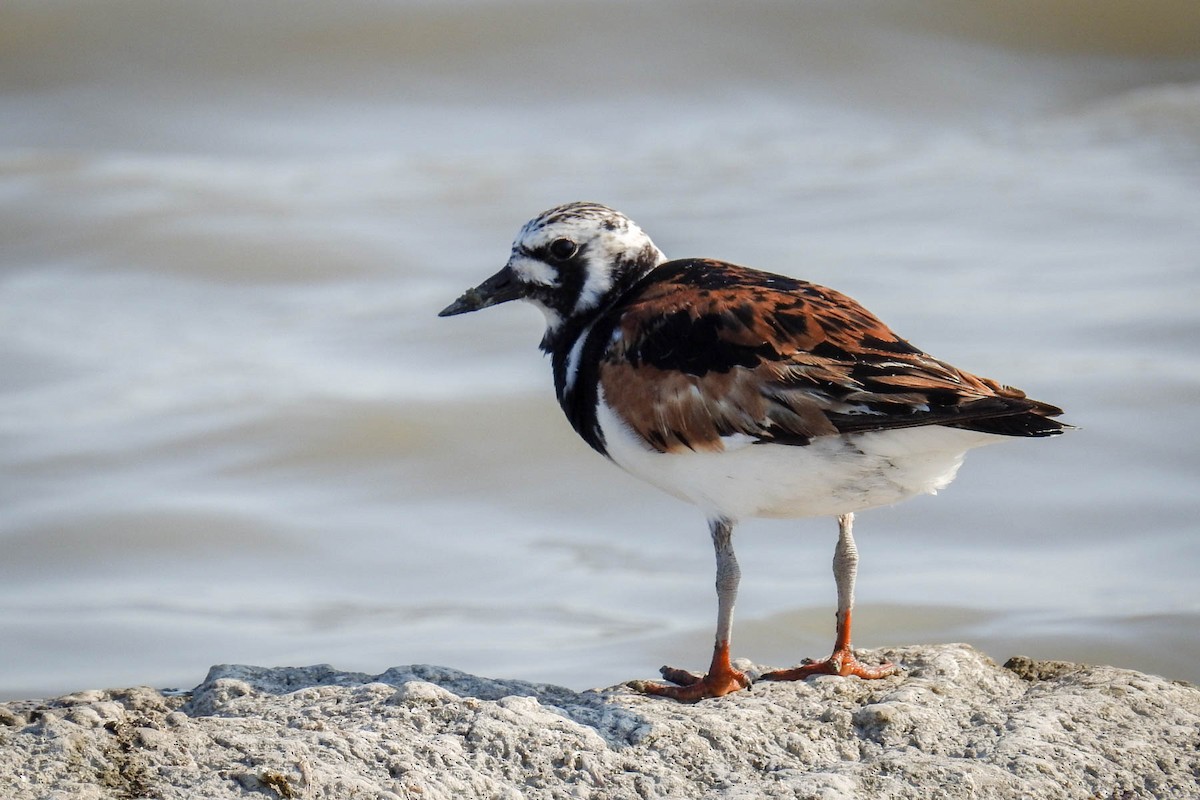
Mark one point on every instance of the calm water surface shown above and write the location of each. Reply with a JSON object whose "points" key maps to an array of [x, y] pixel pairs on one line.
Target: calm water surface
{"points": [[233, 430]]}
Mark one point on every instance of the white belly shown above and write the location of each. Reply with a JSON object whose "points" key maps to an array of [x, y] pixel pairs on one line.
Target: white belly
{"points": [[830, 476]]}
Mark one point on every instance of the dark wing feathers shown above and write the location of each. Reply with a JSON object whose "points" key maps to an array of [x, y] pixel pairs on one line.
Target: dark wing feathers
{"points": [[703, 349]]}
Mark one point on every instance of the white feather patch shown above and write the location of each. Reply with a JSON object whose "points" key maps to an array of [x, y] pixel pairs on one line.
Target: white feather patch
{"points": [[573, 359], [830, 476]]}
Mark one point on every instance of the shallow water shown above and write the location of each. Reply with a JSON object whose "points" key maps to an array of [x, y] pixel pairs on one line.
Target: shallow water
{"points": [[233, 429]]}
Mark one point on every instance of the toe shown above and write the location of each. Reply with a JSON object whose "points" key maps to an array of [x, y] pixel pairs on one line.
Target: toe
{"points": [[842, 662], [708, 686], [680, 677]]}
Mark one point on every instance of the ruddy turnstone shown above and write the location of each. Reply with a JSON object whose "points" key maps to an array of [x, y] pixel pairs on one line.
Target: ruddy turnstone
{"points": [[745, 393]]}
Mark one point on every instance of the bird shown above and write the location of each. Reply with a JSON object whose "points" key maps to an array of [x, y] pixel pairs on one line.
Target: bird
{"points": [[747, 394]]}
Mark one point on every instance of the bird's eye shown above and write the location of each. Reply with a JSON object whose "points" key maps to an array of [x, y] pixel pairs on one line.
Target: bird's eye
{"points": [[563, 249]]}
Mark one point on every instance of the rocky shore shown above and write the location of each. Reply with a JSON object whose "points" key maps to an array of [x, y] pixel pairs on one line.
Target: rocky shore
{"points": [[954, 724]]}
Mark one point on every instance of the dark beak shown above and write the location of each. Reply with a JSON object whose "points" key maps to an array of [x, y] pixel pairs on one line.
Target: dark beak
{"points": [[500, 288]]}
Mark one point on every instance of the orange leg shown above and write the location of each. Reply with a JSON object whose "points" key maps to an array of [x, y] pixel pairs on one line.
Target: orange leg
{"points": [[721, 678], [843, 661]]}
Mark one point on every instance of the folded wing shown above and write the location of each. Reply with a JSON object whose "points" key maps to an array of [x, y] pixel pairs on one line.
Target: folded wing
{"points": [[703, 351]]}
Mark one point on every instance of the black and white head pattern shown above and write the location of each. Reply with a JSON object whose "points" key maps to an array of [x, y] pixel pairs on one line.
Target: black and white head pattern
{"points": [[571, 258]]}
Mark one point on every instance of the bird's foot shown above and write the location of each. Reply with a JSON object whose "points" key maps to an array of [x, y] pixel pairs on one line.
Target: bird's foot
{"points": [[690, 687], [843, 662]]}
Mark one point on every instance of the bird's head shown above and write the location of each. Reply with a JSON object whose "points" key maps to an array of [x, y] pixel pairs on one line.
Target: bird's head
{"points": [[567, 261]]}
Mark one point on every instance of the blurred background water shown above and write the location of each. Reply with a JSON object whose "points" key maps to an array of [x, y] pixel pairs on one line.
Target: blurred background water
{"points": [[233, 430]]}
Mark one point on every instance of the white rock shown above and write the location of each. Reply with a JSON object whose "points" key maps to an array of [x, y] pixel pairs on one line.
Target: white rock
{"points": [[954, 725]]}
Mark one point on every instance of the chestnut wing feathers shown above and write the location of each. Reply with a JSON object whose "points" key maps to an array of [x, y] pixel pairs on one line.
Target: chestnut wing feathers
{"points": [[701, 350]]}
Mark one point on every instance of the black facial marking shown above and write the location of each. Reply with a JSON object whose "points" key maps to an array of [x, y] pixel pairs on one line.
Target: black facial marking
{"points": [[562, 298]]}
